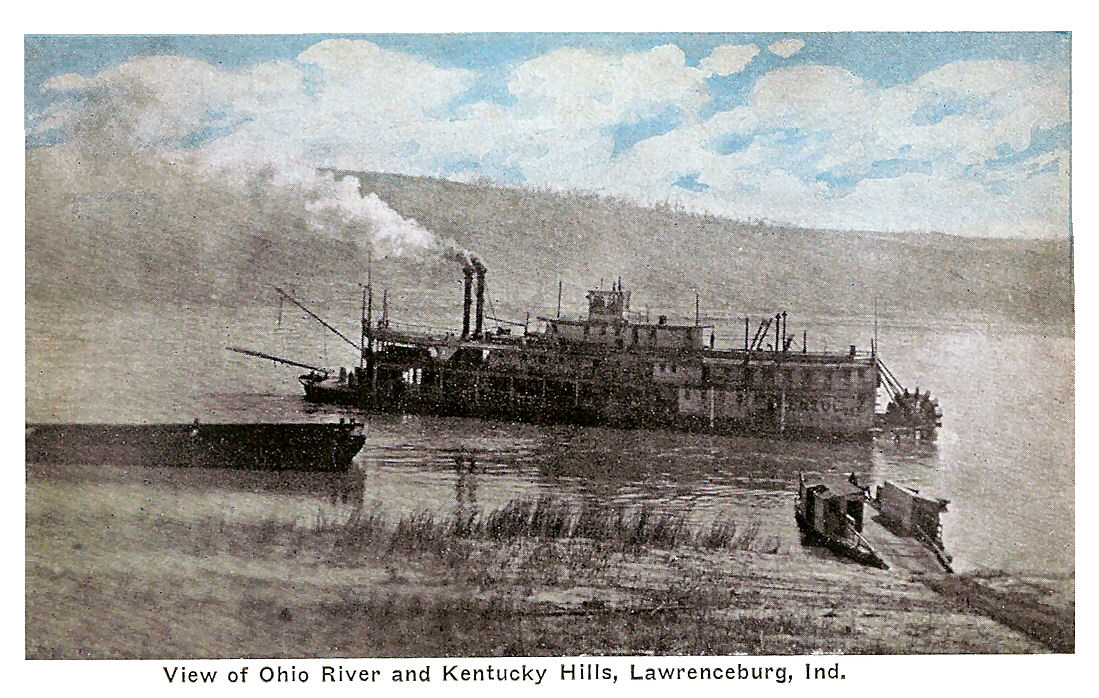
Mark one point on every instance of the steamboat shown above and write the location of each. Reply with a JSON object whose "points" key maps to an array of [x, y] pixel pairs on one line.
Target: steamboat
{"points": [[607, 368]]}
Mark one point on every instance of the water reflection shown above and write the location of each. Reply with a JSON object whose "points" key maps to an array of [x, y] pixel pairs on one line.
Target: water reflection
{"points": [[465, 482]]}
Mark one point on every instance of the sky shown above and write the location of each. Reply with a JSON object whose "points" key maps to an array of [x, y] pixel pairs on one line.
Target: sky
{"points": [[962, 133]]}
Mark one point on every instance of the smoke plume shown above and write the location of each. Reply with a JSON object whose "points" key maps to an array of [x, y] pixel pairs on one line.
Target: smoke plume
{"points": [[148, 227]]}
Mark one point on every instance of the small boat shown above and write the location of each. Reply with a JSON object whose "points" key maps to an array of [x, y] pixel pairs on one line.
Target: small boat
{"points": [[914, 518], [307, 447], [829, 513]]}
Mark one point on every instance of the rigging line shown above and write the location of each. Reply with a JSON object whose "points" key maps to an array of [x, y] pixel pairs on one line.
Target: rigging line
{"points": [[492, 309], [316, 317], [279, 359]]}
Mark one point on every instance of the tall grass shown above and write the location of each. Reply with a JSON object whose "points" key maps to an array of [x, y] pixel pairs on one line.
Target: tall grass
{"points": [[541, 518]]}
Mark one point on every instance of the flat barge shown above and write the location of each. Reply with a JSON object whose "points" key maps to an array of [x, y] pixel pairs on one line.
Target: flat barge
{"points": [[272, 447]]}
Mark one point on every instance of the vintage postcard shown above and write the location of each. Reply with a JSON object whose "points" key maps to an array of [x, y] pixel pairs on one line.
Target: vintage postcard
{"points": [[549, 345]]}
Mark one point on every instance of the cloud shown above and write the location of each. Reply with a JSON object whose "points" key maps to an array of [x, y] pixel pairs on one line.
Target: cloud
{"points": [[581, 87], [728, 59], [817, 145], [810, 144], [66, 81], [786, 47], [359, 77]]}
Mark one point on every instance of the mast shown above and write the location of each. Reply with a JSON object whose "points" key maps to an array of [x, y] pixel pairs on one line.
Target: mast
{"points": [[874, 345], [368, 319], [363, 329]]}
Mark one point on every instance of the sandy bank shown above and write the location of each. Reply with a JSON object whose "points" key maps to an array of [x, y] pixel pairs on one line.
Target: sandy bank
{"points": [[107, 585]]}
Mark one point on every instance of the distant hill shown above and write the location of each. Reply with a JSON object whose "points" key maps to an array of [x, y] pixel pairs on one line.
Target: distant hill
{"points": [[529, 239]]}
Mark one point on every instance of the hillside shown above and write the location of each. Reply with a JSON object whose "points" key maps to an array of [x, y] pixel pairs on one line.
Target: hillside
{"points": [[529, 239]]}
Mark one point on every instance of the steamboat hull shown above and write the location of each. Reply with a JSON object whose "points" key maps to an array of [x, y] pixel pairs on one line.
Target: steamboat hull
{"points": [[753, 397], [271, 447]]}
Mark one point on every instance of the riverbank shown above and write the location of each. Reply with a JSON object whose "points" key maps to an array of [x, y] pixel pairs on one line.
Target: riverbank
{"points": [[115, 582]]}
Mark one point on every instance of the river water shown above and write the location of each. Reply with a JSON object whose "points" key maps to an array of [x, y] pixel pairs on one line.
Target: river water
{"points": [[1004, 456]]}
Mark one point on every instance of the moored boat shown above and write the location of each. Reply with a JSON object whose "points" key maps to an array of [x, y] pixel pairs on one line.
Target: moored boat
{"points": [[902, 530], [913, 524], [609, 367], [306, 447], [829, 513]]}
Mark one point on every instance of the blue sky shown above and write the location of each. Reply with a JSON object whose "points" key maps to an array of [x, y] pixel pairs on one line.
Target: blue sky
{"points": [[887, 58], [856, 130]]}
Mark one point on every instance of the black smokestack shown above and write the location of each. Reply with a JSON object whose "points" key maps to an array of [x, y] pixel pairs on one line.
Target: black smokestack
{"points": [[480, 269], [467, 299]]}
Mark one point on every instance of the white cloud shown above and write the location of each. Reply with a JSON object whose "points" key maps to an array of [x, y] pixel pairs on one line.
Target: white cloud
{"points": [[728, 59], [361, 77], [816, 95], [354, 105], [786, 47], [581, 87], [66, 81]]}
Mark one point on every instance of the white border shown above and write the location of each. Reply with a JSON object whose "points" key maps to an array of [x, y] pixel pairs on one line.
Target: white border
{"points": [[893, 676]]}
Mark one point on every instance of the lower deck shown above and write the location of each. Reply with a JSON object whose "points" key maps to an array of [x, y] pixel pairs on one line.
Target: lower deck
{"points": [[718, 408]]}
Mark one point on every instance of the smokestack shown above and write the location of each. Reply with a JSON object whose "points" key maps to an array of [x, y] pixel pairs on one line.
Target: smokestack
{"points": [[467, 299], [480, 268]]}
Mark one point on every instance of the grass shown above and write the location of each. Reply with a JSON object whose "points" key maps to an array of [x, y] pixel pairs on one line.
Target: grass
{"points": [[540, 518]]}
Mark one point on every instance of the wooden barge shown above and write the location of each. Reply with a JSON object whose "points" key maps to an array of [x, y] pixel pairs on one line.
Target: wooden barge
{"points": [[308, 447]]}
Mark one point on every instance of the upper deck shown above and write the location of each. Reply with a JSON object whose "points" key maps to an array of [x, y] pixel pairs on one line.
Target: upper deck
{"points": [[607, 324], [443, 345], [608, 335]]}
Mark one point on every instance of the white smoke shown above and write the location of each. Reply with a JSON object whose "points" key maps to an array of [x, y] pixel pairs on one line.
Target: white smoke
{"points": [[195, 229], [340, 206], [168, 172], [337, 205]]}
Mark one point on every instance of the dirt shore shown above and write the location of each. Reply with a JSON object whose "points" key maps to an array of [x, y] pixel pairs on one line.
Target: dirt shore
{"points": [[118, 584]]}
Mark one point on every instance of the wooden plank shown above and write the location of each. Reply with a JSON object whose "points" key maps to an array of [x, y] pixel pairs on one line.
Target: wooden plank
{"points": [[898, 551]]}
